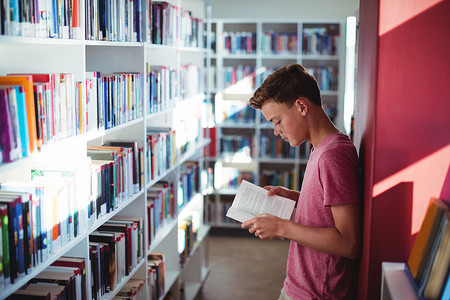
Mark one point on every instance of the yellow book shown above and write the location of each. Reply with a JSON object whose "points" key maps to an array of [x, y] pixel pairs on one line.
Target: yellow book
{"points": [[425, 237]]}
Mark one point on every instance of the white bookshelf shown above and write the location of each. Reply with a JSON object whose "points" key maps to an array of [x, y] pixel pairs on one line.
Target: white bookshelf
{"points": [[260, 59], [49, 55], [396, 282]]}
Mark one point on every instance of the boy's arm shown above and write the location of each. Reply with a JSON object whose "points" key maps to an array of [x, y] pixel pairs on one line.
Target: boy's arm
{"points": [[344, 239]]}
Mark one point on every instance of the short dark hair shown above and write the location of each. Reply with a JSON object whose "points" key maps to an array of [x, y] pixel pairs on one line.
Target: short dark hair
{"points": [[285, 85]]}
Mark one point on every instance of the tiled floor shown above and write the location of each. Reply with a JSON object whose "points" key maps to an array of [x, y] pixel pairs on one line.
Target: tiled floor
{"points": [[245, 268]]}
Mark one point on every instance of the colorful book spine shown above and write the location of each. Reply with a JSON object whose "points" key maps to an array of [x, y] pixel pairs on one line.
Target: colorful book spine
{"points": [[5, 245], [27, 83]]}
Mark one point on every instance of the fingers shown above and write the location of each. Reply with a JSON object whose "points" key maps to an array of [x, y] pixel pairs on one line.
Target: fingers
{"points": [[247, 223], [271, 190]]}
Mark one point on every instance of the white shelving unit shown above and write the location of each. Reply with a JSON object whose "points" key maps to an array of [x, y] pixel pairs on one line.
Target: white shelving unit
{"points": [[397, 282], [261, 59], [46, 55]]}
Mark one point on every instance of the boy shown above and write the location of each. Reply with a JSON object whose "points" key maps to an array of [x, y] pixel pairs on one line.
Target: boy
{"points": [[326, 231]]}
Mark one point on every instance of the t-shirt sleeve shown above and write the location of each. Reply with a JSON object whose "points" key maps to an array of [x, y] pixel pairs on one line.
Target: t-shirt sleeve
{"points": [[339, 175]]}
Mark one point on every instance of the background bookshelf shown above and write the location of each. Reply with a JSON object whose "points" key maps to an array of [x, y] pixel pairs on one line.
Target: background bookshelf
{"points": [[245, 52], [172, 101]]}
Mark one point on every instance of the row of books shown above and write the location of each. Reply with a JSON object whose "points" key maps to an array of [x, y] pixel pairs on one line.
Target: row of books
{"points": [[279, 43], [120, 21], [161, 207], [320, 41], [164, 201], [39, 108], [156, 266], [38, 218], [192, 80], [274, 147], [44, 18], [116, 174], [188, 133], [187, 236], [326, 76], [285, 178], [132, 290], [189, 183], [239, 42], [162, 154], [237, 148], [230, 178], [117, 21], [173, 25], [429, 259], [65, 278], [237, 75], [315, 41], [115, 249], [36, 109], [218, 212], [163, 87], [119, 97], [238, 113]]}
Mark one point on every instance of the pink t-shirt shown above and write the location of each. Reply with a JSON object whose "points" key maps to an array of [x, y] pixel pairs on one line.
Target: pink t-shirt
{"points": [[331, 178]]}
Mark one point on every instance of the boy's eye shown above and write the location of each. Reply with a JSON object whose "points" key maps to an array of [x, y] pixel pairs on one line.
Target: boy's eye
{"points": [[278, 123]]}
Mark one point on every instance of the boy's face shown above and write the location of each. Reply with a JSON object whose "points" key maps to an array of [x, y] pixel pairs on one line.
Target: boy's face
{"points": [[288, 122]]}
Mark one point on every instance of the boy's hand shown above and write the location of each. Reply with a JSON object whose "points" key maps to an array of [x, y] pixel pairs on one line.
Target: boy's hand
{"points": [[265, 226], [281, 191]]}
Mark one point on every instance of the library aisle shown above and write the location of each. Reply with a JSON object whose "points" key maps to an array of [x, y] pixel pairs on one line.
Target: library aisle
{"points": [[245, 267]]}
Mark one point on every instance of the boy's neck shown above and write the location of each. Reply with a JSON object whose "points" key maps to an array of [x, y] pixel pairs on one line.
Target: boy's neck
{"points": [[321, 128]]}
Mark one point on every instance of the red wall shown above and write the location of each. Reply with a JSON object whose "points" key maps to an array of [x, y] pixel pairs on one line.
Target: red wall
{"points": [[402, 124]]}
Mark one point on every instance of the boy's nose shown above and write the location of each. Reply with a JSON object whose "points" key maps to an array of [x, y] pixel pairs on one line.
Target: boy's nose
{"points": [[276, 131]]}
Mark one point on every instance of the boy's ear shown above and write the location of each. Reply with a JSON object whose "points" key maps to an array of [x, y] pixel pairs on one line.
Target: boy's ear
{"points": [[302, 105]]}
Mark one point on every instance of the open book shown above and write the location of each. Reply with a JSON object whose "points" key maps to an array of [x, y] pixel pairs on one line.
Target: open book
{"points": [[252, 200]]}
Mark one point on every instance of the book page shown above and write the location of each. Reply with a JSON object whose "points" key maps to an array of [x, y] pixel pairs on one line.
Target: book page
{"points": [[252, 200]]}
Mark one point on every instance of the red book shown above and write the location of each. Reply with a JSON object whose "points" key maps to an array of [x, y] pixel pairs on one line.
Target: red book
{"points": [[77, 262]]}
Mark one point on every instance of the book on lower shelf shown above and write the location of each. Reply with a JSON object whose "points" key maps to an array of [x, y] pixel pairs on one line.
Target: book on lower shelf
{"points": [[156, 269], [63, 279]]}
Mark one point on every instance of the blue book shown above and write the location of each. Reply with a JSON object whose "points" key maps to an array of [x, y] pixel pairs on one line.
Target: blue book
{"points": [[15, 18], [107, 119], [53, 19], [23, 120]]}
